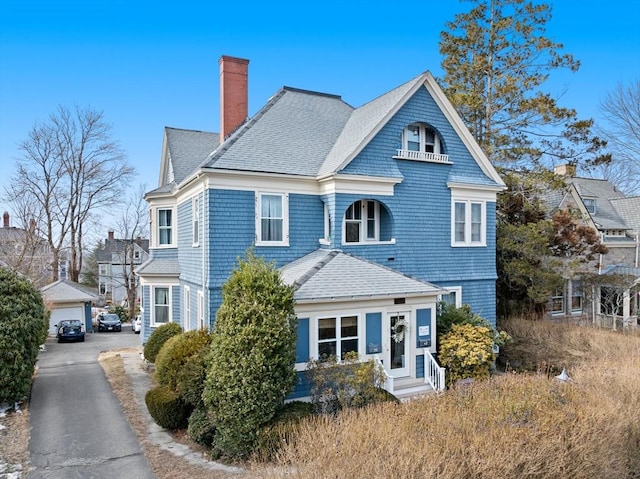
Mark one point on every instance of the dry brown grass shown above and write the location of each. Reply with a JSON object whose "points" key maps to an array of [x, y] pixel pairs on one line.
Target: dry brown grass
{"points": [[513, 426]]}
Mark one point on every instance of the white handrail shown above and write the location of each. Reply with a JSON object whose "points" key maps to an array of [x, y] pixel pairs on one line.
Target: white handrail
{"points": [[388, 382], [433, 372]]}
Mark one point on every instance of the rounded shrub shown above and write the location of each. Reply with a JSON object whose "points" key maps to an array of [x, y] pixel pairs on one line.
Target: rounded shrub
{"points": [[176, 352], [23, 328], [281, 429], [190, 381], [157, 339], [166, 408], [467, 352], [201, 428]]}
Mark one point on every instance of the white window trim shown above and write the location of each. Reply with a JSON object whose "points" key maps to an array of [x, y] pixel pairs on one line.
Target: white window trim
{"points": [[153, 304], [467, 223], [186, 326], [201, 324], [338, 317], [422, 154], [195, 221], [363, 226], [458, 291], [156, 227], [285, 219]]}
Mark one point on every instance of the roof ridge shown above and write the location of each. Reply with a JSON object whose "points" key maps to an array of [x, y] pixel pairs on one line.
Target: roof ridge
{"points": [[311, 92], [315, 268]]}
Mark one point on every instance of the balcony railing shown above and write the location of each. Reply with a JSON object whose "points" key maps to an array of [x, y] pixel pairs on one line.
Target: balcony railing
{"points": [[423, 156]]}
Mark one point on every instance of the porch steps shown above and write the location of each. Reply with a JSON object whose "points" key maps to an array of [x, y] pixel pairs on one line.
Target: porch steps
{"points": [[410, 393]]}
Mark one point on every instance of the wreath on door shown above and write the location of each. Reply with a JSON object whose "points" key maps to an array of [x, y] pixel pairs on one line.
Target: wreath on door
{"points": [[399, 330]]}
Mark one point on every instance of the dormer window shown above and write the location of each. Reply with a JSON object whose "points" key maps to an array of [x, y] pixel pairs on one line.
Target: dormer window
{"points": [[421, 142], [590, 205]]}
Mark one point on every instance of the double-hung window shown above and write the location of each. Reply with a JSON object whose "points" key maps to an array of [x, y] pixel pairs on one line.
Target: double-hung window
{"points": [[272, 223], [362, 222], [468, 223], [337, 336], [165, 226], [161, 304]]}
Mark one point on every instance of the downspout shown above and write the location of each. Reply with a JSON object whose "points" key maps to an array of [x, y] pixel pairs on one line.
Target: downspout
{"points": [[204, 256]]}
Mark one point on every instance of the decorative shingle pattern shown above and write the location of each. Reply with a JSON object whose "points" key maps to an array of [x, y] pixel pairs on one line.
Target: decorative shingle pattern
{"points": [[363, 121], [327, 275]]}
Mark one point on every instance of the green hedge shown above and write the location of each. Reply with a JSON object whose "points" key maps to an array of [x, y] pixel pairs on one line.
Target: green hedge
{"points": [[175, 354], [23, 328], [157, 339], [167, 408]]}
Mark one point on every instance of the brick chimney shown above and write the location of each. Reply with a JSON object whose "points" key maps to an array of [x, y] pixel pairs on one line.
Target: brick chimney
{"points": [[234, 94], [110, 233], [5, 219]]}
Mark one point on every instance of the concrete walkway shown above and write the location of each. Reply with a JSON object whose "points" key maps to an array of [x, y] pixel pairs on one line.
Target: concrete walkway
{"points": [[135, 369]]}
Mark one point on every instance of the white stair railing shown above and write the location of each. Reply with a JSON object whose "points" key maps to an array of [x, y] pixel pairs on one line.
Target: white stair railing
{"points": [[433, 372], [388, 382]]}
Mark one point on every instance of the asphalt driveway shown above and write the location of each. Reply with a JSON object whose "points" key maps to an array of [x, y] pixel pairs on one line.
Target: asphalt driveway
{"points": [[78, 428]]}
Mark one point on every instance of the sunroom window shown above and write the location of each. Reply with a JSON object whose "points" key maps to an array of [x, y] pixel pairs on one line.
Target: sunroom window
{"points": [[337, 336]]}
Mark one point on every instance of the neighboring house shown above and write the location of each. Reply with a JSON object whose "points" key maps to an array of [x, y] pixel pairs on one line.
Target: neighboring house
{"points": [[67, 300], [373, 213], [114, 260], [616, 217], [24, 251]]}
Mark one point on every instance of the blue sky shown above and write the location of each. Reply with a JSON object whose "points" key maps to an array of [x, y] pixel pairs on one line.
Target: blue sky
{"points": [[147, 64]]}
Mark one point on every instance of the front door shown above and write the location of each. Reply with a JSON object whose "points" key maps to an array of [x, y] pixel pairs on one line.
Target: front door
{"points": [[398, 345]]}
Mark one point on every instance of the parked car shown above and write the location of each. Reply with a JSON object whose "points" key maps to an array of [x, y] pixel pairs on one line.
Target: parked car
{"points": [[70, 330], [136, 324], [109, 322]]}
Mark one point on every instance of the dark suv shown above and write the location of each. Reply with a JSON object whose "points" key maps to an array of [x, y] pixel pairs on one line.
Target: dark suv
{"points": [[109, 322]]}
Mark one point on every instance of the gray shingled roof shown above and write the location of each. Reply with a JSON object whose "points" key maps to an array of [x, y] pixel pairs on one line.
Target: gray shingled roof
{"points": [[629, 209], [332, 275], [292, 134], [66, 292], [362, 122], [159, 267], [117, 246], [188, 149], [605, 216]]}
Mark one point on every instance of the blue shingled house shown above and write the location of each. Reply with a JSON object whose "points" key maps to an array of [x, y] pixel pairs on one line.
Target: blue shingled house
{"points": [[374, 213]]}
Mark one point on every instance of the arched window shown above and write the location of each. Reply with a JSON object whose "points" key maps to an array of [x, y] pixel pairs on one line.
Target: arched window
{"points": [[421, 142], [366, 221]]}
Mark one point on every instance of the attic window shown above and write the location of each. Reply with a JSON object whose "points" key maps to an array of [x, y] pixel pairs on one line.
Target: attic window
{"points": [[590, 205], [421, 142]]}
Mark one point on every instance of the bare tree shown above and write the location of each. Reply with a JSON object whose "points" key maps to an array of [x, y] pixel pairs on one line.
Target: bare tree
{"points": [[71, 169], [132, 227], [621, 128]]}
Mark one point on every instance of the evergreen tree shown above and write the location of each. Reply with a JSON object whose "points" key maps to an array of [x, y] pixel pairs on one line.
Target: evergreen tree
{"points": [[496, 59], [251, 367]]}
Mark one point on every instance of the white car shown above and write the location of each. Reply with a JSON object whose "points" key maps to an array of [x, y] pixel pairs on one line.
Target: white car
{"points": [[136, 325]]}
